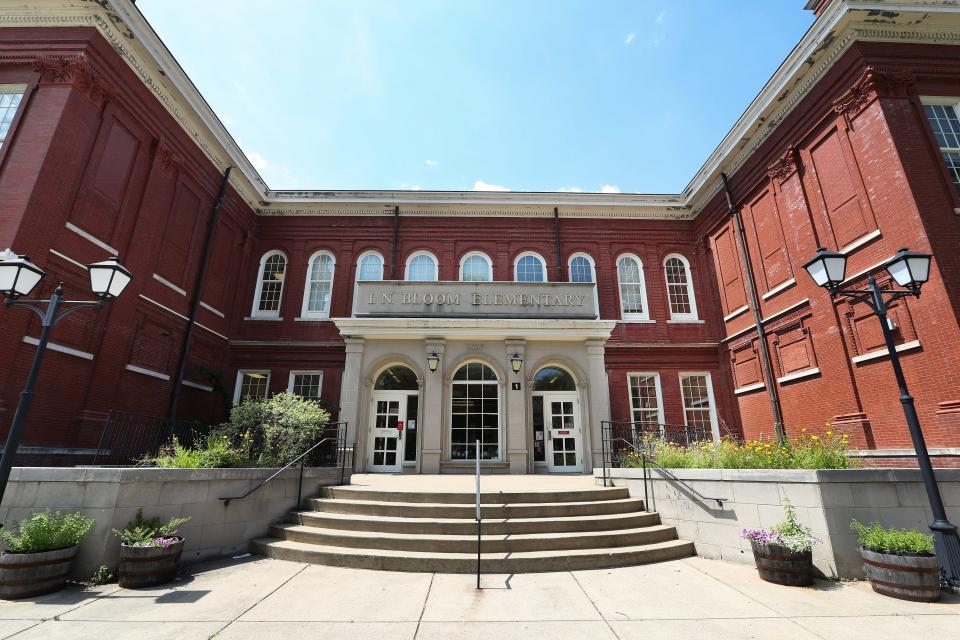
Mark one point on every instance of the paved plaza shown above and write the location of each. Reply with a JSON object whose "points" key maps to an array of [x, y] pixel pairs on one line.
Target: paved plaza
{"points": [[272, 599]]}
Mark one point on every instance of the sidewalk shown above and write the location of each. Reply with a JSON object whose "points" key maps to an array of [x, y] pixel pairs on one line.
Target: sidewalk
{"points": [[261, 599]]}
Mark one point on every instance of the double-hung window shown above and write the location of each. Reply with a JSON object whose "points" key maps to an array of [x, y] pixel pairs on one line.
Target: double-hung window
{"points": [[306, 384], [943, 114], [10, 98], [646, 404], [316, 297], [252, 383]]}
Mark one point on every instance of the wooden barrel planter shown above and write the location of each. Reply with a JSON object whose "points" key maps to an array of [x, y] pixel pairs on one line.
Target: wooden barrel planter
{"points": [[148, 566], [907, 577], [24, 575], [782, 566]]}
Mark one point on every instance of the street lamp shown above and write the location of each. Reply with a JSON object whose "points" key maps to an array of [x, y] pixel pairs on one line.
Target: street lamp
{"points": [[18, 277], [910, 270]]}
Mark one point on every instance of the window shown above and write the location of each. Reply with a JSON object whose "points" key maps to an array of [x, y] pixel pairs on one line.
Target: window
{"points": [[370, 267], [316, 295], [581, 269], [10, 97], [306, 384], [945, 123], [273, 268], [476, 267], [698, 411], [633, 297], [645, 402], [251, 384], [683, 306], [422, 267], [530, 268], [475, 413]]}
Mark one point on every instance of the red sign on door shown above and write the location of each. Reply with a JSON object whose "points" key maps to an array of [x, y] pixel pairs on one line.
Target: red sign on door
{"points": [[399, 425]]}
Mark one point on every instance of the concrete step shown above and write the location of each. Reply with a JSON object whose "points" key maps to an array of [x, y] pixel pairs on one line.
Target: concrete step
{"points": [[468, 526], [512, 562], [490, 543], [493, 511], [498, 497]]}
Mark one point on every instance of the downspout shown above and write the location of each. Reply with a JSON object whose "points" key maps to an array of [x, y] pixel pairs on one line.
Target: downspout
{"points": [[195, 300], [556, 226], [396, 230], [766, 362]]}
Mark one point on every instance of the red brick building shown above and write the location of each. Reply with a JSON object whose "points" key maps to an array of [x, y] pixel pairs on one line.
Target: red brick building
{"points": [[617, 306]]}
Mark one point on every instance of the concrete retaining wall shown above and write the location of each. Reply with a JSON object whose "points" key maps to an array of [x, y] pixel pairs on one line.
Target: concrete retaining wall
{"points": [[825, 500], [112, 497]]}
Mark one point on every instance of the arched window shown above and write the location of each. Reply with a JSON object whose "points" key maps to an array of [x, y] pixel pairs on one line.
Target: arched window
{"points": [[553, 379], [398, 378], [422, 267], [319, 285], [266, 301], [581, 268], [683, 306], [633, 295], [476, 267], [370, 266], [530, 267], [475, 413]]}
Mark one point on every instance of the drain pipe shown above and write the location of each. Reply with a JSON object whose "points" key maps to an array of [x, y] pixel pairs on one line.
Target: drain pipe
{"points": [[195, 300], [396, 230], [757, 316], [556, 227]]}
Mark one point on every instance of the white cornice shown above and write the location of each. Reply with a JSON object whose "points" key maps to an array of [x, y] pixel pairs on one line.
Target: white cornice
{"points": [[474, 329]]}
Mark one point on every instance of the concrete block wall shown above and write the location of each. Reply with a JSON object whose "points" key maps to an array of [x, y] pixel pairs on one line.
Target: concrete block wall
{"points": [[112, 496], [825, 500]]}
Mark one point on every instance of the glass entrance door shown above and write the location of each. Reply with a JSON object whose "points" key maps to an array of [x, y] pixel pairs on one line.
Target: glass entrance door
{"points": [[562, 424], [387, 429]]}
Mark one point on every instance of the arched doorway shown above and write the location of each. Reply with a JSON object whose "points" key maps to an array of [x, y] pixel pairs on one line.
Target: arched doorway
{"points": [[393, 420], [557, 432], [475, 413]]}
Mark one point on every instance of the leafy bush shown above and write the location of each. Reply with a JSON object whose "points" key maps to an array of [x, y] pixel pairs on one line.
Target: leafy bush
{"points": [[103, 575], [215, 453], [789, 533], [47, 532], [875, 537], [149, 533]]}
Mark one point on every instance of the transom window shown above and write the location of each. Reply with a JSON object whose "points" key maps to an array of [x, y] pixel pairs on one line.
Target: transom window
{"points": [[316, 302], [398, 378], [645, 403], [273, 269], [945, 124], [476, 267], [698, 410], [530, 268], [10, 97], [422, 267], [553, 379], [251, 384], [370, 267], [306, 384], [475, 413], [633, 297], [679, 288], [581, 269]]}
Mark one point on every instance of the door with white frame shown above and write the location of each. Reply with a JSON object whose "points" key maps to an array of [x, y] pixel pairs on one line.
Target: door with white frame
{"points": [[392, 432], [557, 428]]}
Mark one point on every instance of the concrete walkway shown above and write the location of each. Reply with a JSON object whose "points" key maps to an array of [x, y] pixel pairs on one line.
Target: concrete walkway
{"points": [[256, 598]]}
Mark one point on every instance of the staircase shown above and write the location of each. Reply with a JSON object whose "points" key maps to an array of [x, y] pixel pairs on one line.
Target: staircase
{"points": [[523, 531]]}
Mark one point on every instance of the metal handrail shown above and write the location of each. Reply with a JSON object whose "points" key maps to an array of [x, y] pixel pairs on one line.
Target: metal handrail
{"points": [[479, 515]]}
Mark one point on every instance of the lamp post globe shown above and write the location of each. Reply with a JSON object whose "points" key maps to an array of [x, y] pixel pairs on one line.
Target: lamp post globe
{"points": [[910, 269], [827, 268], [433, 361], [516, 362], [18, 275], [108, 278]]}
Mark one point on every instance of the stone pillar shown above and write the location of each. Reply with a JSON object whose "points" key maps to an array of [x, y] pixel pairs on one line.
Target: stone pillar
{"points": [[515, 437], [431, 429], [599, 399], [350, 399]]}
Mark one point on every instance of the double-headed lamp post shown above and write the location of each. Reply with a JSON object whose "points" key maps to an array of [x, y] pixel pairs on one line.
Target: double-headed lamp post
{"points": [[910, 270], [18, 277]]}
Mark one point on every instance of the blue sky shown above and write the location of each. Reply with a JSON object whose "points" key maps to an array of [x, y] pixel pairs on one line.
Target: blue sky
{"points": [[526, 95]]}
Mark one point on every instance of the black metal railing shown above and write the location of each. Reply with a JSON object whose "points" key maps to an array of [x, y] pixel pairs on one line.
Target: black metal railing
{"points": [[131, 438]]}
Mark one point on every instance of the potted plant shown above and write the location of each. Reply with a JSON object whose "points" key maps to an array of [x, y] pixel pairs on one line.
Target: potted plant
{"points": [[783, 553], [40, 552], [899, 563], [149, 551]]}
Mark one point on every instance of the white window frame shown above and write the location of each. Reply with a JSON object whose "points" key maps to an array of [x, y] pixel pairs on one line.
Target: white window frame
{"points": [[633, 317], [661, 419], [416, 254], [356, 274], [255, 311], [681, 317], [593, 275], [305, 312], [294, 374], [17, 90], [501, 411], [942, 101], [714, 423], [240, 374], [476, 254], [530, 254]]}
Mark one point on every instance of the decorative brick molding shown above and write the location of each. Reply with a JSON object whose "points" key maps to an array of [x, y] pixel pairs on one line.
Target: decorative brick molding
{"points": [[168, 161], [785, 166], [873, 83], [74, 71]]}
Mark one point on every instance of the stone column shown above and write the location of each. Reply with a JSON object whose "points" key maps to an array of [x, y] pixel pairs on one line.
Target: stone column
{"points": [[515, 409], [599, 399], [350, 398], [431, 429]]}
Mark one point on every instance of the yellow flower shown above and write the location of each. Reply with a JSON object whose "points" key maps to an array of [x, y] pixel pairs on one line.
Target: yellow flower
{"points": [[804, 430], [829, 433], [814, 438]]}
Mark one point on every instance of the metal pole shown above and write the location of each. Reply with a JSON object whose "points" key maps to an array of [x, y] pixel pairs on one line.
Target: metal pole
{"points": [[26, 396], [603, 452], [477, 455], [646, 495], [945, 539]]}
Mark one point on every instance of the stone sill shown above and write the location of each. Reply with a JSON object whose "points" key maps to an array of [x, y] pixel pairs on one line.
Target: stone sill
{"points": [[799, 476], [141, 474]]}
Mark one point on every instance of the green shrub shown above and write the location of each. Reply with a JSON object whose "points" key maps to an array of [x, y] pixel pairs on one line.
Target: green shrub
{"points": [[149, 533], [47, 532], [216, 453], [103, 575], [875, 537]]}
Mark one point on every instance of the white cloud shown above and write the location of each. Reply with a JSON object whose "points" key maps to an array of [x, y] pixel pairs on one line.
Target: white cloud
{"points": [[258, 161], [278, 176], [431, 163], [570, 190], [660, 17], [629, 38], [480, 185], [416, 187], [609, 188]]}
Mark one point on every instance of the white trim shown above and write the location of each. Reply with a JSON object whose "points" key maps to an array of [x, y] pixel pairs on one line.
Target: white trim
{"points": [[749, 387], [693, 316], [476, 254], [212, 310], [169, 284], [299, 319], [53, 346], [416, 254], [69, 259], [83, 234], [197, 385], [636, 321], [254, 311], [880, 353], [659, 390], [714, 423], [147, 372], [733, 314], [859, 242], [797, 375], [645, 314], [236, 386], [786, 284], [691, 321], [258, 319], [772, 316], [476, 329], [530, 254], [180, 315], [323, 313], [362, 257], [305, 372], [501, 385], [593, 274]]}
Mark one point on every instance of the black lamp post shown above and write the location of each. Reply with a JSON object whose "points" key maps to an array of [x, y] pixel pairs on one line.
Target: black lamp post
{"points": [[18, 277], [910, 270]]}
